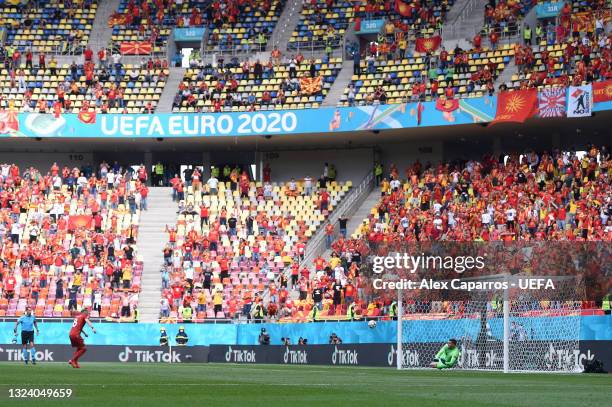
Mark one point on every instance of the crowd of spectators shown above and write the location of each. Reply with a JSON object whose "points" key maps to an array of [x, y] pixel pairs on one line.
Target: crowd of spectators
{"points": [[503, 18], [102, 83], [67, 239], [558, 196], [581, 58], [254, 85], [48, 26], [234, 238], [235, 25], [555, 196]]}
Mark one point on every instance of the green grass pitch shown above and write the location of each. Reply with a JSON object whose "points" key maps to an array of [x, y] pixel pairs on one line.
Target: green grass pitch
{"points": [[130, 385]]}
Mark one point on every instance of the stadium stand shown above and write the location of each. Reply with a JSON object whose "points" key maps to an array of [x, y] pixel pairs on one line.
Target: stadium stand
{"points": [[574, 61], [242, 26], [109, 87], [138, 21], [559, 196], [239, 247], [323, 23], [296, 84], [228, 247], [504, 18], [414, 19], [48, 26], [455, 74], [67, 240], [233, 25]]}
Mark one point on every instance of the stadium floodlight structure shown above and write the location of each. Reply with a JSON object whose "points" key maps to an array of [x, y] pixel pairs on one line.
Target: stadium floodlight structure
{"points": [[506, 329]]}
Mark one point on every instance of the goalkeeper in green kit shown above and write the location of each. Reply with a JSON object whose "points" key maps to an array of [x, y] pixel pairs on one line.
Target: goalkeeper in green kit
{"points": [[447, 356]]}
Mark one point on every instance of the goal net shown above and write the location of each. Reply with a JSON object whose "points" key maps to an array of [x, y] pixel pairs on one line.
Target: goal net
{"points": [[505, 329]]}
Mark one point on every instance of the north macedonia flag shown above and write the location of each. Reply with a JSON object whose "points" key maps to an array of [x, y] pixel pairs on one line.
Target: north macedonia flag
{"points": [[429, 44], [135, 48], [516, 106], [602, 91]]}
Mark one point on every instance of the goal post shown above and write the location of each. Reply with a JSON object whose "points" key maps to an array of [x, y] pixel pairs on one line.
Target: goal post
{"points": [[507, 330], [400, 343]]}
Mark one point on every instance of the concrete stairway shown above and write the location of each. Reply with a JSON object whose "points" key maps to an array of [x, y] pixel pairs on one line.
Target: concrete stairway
{"points": [[340, 84], [167, 97], [286, 24], [362, 212], [463, 20], [101, 33], [152, 239]]}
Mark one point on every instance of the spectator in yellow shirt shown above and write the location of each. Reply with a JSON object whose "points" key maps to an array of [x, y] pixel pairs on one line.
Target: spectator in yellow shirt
{"points": [[127, 277], [201, 302], [218, 301]]}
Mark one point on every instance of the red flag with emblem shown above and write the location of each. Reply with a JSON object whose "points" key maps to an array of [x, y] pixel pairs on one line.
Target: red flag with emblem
{"points": [[79, 221], [447, 105], [420, 108], [602, 91], [516, 106], [135, 48], [403, 9], [9, 122], [428, 44], [310, 85], [87, 117]]}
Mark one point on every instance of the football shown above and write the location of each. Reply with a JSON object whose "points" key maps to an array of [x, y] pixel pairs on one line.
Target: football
{"points": [[372, 324]]}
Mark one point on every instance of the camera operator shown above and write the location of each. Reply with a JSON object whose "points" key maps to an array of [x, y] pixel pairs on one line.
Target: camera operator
{"points": [[334, 339], [264, 337]]}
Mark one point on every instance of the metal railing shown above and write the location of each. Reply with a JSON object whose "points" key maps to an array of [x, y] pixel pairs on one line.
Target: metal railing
{"points": [[348, 206], [316, 48], [242, 321], [316, 244]]}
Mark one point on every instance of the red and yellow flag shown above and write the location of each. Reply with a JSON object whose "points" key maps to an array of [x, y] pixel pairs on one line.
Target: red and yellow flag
{"points": [[135, 48], [87, 117], [116, 19], [79, 221], [428, 44], [402, 8], [311, 85], [602, 91], [516, 106], [447, 105]]}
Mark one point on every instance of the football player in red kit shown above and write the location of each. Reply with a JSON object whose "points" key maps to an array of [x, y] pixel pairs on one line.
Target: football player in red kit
{"points": [[75, 336]]}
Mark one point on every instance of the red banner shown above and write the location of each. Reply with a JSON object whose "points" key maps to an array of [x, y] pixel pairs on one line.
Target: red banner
{"points": [[602, 91], [447, 105], [420, 108], [135, 48], [79, 221], [87, 117], [516, 106], [428, 44], [310, 85], [403, 9], [9, 122], [116, 19]]}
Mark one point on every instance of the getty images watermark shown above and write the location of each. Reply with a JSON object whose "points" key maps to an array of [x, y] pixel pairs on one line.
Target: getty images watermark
{"points": [[403, 271]]}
